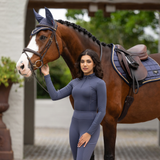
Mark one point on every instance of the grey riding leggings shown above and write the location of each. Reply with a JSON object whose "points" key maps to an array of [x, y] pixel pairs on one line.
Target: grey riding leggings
{"points": [[81, 121]]}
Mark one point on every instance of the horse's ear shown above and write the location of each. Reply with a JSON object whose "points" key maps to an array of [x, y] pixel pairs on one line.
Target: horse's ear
{"points": [[49, 17], [37, 16]]}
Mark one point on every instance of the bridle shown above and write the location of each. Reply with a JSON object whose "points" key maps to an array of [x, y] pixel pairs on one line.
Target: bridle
{"points": [[44, 51]]}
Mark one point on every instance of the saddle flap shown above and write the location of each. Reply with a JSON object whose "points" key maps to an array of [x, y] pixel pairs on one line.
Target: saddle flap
{"points": [[141, 71]]}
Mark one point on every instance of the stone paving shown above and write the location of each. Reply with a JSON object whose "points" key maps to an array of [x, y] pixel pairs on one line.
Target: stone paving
{"points": [[53, 144]]}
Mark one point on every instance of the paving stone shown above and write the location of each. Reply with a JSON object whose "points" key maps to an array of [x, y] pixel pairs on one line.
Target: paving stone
{"points": [[53, 144]]}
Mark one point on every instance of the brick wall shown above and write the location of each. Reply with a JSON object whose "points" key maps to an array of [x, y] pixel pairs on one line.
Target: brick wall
{"points": [[12, 18]]}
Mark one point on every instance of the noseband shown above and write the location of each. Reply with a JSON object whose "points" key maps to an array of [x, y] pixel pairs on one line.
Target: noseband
{"points": [[44, 51]]}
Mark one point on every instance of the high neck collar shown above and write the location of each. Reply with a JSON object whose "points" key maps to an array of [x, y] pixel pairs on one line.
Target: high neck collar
{"points": [[90, 75]]}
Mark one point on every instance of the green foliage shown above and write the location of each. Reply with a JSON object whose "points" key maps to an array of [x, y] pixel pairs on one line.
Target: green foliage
{"points": [[60, 75], [75, 14], [8, 72], [122, 27]]}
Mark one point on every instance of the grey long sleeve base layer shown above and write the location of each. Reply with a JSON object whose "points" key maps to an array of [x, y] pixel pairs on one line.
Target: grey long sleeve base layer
{"points": [[89, 95]]}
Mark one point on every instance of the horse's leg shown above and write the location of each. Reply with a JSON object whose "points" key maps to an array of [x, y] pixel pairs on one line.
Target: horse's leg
{"points": [[109, 135], [92, 157]]}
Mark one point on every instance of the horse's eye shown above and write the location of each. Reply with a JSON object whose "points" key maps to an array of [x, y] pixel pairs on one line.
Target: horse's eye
{"points": [[43, 37]]}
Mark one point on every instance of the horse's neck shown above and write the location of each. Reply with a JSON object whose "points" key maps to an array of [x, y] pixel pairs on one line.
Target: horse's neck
{"points": [[74, 43]]}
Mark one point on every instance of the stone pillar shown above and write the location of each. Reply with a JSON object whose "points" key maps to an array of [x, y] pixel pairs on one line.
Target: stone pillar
{"points": [[30, 88]]}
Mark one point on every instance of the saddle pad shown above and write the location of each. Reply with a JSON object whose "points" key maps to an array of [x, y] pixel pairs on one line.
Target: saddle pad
{"points": [[151, 65]]}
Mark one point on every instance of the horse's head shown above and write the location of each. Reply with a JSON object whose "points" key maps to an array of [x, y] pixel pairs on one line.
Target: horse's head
{"points": [[45, 45]]}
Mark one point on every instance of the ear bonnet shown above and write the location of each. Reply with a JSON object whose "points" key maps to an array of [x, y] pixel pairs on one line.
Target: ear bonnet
{"points": [[48, 22]]}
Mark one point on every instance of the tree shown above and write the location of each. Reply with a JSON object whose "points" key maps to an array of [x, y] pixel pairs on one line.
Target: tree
{"points": [[122, 27]]}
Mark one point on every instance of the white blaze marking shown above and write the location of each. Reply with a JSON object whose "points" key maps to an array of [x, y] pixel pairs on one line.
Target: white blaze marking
{"points": [[32, 45]]}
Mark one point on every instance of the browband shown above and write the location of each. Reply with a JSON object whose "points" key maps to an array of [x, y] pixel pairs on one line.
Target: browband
{"points": [[41, 27]]}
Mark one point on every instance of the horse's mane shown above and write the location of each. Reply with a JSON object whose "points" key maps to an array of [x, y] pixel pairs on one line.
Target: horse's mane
{"points": [[80, 29]]}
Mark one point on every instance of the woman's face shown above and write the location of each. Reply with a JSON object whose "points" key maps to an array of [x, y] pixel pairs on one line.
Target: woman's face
{"points": [[87, 65]]}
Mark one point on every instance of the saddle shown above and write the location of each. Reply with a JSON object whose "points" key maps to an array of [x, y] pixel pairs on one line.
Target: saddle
{"points": [[130, 61]]}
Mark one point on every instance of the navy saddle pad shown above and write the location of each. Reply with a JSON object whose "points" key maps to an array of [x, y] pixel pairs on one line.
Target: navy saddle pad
{"points": [[151, 65]]}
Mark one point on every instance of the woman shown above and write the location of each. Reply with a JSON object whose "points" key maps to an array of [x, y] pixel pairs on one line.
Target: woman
{"points": [[89, 94]]}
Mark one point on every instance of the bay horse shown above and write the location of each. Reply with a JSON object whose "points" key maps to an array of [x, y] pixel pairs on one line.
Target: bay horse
{"points": [[69, 41]]}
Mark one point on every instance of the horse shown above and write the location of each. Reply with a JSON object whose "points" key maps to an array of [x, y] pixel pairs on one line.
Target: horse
{"points": [[69, 41]]}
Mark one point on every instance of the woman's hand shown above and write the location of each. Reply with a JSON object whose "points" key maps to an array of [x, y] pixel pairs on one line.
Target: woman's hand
{"points": [[45, 69], [84, 139]]}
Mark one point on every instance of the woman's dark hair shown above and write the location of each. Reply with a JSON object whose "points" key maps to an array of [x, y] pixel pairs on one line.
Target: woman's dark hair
{"points": [[95, 58]]}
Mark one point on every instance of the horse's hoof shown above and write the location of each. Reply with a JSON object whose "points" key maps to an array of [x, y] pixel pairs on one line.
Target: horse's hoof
{"points": [[108, 157]]}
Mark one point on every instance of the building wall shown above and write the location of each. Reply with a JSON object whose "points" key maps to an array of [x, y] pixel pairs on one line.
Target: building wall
{"points": [[12, 20]]}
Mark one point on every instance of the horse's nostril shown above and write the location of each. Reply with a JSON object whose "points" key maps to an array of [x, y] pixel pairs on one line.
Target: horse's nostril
{"points": [[22, 67]]}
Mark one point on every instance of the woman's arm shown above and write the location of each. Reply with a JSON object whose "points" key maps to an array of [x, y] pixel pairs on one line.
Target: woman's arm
{"points": [[102, 100], [55, 95]]}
